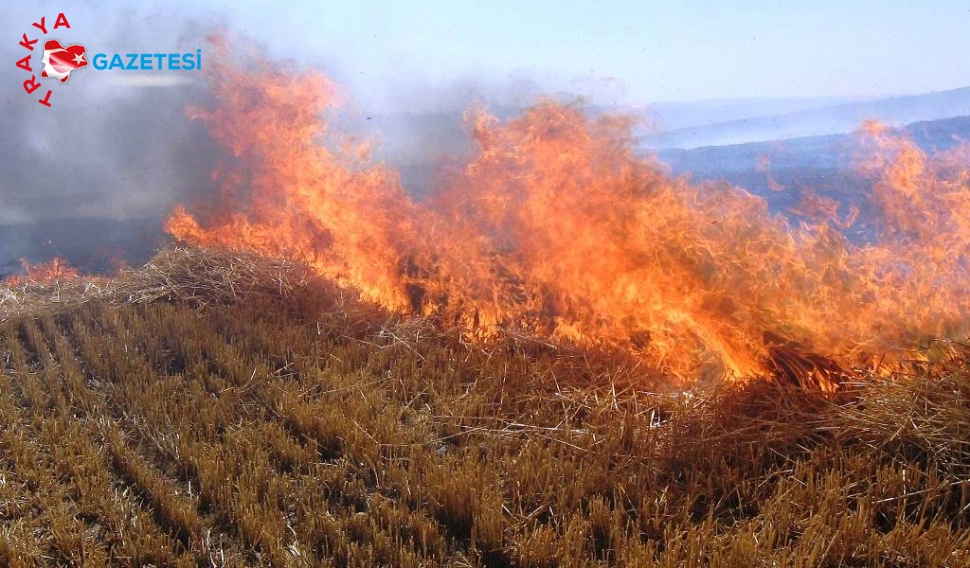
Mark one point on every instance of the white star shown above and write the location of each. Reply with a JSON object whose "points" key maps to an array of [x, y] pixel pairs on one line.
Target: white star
{"points": [[79, 58]]}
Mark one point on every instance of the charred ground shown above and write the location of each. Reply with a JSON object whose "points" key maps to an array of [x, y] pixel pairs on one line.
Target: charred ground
{"points": [[212, 409]]}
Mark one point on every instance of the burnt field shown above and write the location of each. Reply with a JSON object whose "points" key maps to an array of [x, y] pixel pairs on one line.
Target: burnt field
{"points": [[212, 410]]}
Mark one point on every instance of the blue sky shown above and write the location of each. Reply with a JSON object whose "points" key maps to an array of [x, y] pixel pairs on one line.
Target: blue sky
{"points": [[626, 51], [638, 50]]}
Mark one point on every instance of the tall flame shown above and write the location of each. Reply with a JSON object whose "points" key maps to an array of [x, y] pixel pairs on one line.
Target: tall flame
{"points": [[556, 225]]}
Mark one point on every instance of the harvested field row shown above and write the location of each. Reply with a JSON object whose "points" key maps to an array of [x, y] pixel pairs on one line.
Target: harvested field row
{"points": [[293, 427]]}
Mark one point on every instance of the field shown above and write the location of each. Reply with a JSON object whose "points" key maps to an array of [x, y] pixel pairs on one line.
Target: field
{"points": [[214, 411]]}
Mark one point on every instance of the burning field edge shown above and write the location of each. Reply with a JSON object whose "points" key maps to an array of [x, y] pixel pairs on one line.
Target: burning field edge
{"points": [[216, 408]]}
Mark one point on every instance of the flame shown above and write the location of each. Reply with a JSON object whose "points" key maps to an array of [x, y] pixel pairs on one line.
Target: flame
{"points": [[298, 198], [557, 226], [42, 273]]}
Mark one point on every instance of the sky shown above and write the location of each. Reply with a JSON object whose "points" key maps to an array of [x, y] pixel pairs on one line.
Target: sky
{"points": [[637, 51], [627, 51], [134, 152]]}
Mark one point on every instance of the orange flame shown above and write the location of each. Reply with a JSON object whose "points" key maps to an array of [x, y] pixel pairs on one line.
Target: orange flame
{"points": [[558, 226], [42, 273], [299, 199]]}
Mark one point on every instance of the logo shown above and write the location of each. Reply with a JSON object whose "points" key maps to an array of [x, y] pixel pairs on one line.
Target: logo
{"points": [[61, 60], [58, 62]]}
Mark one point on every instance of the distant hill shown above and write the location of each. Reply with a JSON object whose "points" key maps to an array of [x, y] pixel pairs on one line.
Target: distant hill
{"points": [[782, 170], [833, 119], [666, 116], [828, 151]]}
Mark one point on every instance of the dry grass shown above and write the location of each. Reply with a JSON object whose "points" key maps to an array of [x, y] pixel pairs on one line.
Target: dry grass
{"points": [[218, 409], [186, 274]]}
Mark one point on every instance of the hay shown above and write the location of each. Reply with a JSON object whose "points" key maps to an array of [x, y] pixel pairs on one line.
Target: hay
{"points": [[198, 276], [213, 276]]}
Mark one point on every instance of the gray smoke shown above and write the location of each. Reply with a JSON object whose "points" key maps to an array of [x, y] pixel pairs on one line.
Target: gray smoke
{"points": [[93, 175]]}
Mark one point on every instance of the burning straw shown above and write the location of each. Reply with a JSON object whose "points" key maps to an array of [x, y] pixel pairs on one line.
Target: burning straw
{"points": [[557, 227]]}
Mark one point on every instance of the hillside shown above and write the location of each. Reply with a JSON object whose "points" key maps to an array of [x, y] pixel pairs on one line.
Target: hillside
{"points": [[783, 171], [829, 151], [213, 409], [823, 120]]}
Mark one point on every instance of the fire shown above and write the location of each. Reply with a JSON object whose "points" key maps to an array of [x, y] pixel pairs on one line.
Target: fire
{"points": [[558, 226], [294, 196], [42, 273]]}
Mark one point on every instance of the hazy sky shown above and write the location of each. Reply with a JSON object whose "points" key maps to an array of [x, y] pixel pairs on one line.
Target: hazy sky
{"points": [[624, 50], [639, 50]]}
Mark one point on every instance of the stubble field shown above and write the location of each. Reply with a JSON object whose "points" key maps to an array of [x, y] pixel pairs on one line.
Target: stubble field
{"points": [[261, 419]]}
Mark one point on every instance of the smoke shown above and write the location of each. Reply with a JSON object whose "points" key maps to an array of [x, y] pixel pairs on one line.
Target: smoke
{"points": [[94, 175], [109, 154]]}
